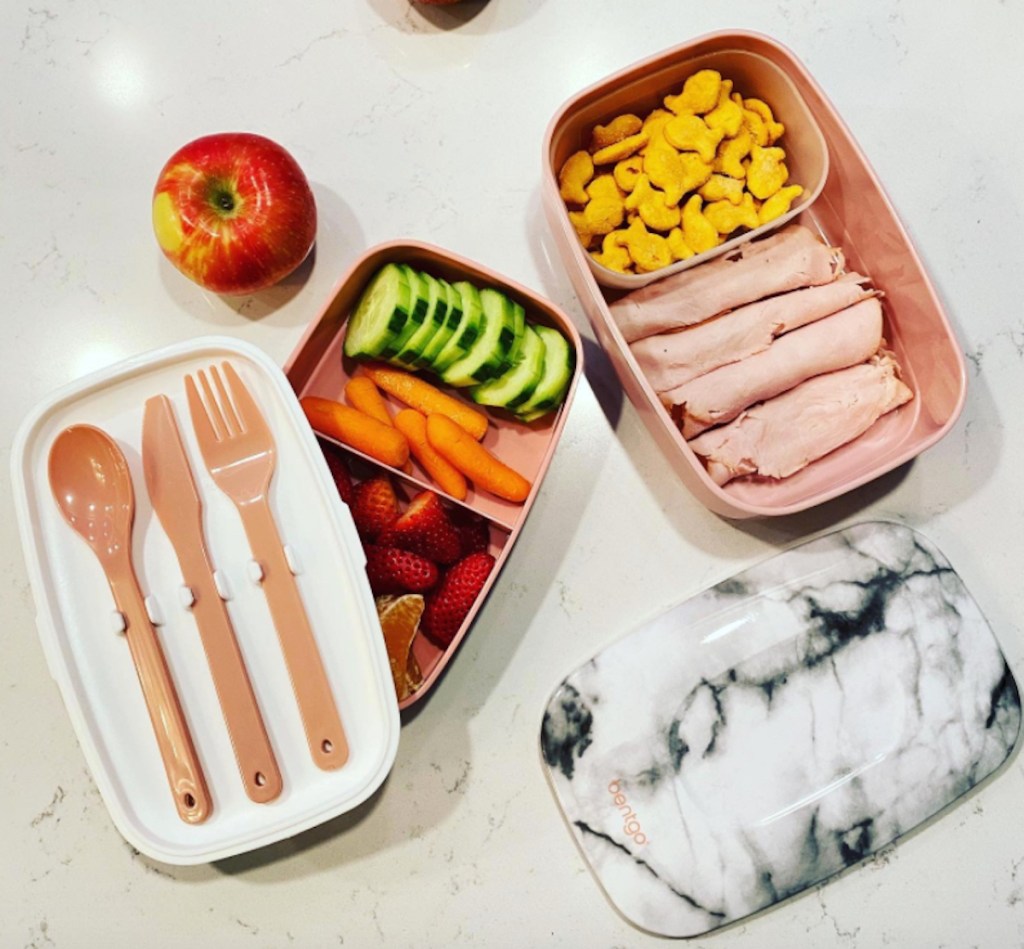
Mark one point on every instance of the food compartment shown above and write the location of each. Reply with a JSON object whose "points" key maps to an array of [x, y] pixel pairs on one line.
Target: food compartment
{"points": [[645, 87], [416, 652], [851, 214], [319, 369]]}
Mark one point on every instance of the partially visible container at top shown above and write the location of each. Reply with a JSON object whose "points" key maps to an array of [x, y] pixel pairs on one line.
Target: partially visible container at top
{"points": [[852, 212]]}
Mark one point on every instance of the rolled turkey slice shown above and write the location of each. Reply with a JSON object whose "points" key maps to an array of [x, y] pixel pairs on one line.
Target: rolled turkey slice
{"points": [[669, 360], [786, 260], [835, 342], [783, 435]]}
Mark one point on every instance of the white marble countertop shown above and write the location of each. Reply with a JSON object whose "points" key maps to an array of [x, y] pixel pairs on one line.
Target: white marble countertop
{"points": [[427, 124]]}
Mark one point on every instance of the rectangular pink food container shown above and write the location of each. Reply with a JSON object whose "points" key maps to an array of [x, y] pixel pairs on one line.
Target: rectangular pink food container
{"points": [[317, 368], [849, 209]]}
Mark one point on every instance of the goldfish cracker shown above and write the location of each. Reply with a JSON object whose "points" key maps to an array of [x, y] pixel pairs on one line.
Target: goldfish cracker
{"points": [[605, 187], [774, 130], [727, 217], [767, 172], [627, 171], [619, 150], [779, 203], [727, 115], [613, 253], [599, 217], [664, 167], [652, 205], [622, 126], [696, 172], [654, 128], [677, 245], [698, 232], [690, 133], [722, 188], [649, 251], [732, 151], [603, 212], [700, 93], [754, 125], [572, 179]]}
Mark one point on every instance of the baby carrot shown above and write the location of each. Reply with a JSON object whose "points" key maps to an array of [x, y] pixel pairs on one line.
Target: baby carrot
{"points": [[362, 393], [413, 425], [474, 461], [355, 428], [420, 394]]}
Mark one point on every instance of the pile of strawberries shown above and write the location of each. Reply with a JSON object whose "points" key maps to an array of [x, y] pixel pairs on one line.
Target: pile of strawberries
{"points": [[424, 549]]}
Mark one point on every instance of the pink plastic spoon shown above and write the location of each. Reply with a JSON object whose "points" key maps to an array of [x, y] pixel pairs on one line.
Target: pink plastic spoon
{"points": [[92, 485]]}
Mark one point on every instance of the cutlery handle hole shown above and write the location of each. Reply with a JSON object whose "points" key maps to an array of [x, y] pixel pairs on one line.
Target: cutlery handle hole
{"points": [[190, 800], [260, 779], [327, 746]]}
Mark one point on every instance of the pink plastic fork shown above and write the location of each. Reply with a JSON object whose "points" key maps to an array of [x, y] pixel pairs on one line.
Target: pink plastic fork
{"points": [[238, 449]]}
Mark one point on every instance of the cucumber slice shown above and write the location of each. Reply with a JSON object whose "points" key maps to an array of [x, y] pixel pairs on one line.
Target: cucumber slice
{"points": [[466, 332], [559, 362], [417, 313], [518, 327], [381, 313], [437, 313], [444, 333], [517, 384], [489, 355]]}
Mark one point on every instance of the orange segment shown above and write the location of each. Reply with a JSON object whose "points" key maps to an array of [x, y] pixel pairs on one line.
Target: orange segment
{"points": [[400, 621]]}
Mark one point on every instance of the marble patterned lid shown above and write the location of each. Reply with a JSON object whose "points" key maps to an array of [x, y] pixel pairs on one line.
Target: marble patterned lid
{"points": [[778, 728]]}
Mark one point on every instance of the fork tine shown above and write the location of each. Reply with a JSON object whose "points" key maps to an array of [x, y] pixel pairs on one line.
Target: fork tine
{"points": [[205, 432], [224, 401], [217, 420], [248, 411]]}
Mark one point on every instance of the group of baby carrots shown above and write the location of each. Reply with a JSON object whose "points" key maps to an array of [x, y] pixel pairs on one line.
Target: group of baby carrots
{"points": [[440, 432]]}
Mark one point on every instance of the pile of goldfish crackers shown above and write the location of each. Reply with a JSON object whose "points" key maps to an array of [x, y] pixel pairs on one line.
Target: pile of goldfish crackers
{"points": [[650, 191]]}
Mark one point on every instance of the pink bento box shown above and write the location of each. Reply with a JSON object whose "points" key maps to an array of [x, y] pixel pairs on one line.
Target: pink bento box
{"points": [[318, 368], [850, 210]]}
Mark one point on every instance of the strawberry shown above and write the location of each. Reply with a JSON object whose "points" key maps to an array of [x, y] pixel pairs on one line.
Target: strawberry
{"points": [[425, 529], [392, 570], [474, 534], [374, 507], [450, 603], [339, 470]]}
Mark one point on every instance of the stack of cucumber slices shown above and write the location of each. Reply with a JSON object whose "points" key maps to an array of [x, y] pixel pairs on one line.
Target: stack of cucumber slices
{"points": [[473, 338]]}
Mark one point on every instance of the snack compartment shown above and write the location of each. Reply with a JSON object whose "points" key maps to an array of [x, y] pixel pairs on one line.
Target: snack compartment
{"points": [[486, 533], [642, 88]]}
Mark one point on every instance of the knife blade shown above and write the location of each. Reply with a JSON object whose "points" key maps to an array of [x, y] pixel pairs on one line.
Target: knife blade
{"points": [[179, 508]]}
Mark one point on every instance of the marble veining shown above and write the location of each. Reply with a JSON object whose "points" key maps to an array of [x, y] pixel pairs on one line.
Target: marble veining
{"points": [[778, 728]]}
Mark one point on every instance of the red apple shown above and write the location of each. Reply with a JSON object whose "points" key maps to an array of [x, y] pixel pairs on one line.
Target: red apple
{"points": [[234, 212]]}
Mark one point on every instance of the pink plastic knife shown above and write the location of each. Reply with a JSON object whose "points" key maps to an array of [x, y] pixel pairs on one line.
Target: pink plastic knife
{"points": [[175, 497]]}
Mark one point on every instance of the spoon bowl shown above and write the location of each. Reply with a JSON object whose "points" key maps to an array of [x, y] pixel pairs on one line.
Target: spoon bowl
{"points": [[92, 485]]}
